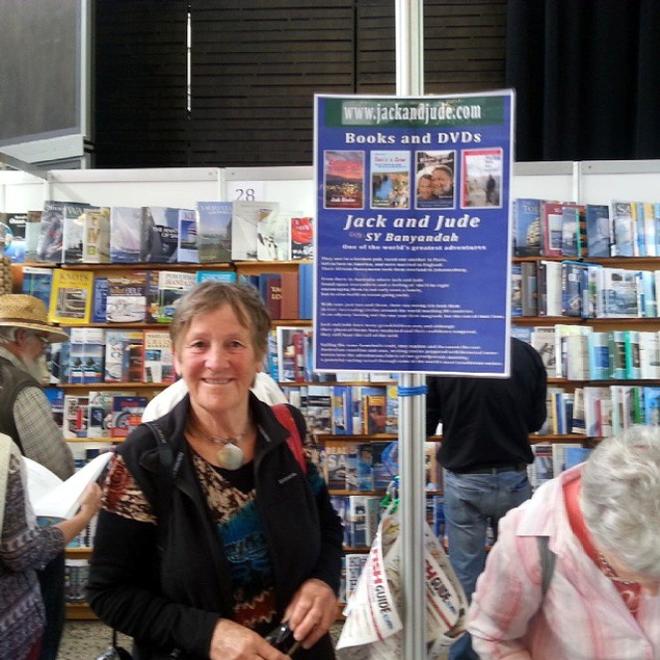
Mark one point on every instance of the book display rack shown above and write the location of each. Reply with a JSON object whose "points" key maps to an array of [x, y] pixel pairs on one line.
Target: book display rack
{"points": [[592, 316]]}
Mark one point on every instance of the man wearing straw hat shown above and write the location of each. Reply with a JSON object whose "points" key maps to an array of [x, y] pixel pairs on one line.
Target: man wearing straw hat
{"points": [[25, 415]]}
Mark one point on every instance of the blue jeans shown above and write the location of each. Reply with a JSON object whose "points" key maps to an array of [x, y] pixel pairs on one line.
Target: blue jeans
{"points": [[472, 502]]}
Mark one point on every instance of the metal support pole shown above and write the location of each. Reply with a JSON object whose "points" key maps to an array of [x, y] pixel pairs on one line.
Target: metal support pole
{"points": [[412, 505]]}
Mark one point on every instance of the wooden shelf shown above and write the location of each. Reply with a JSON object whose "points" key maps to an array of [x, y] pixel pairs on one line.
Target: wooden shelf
{"points": [[575, 320], [366, 493], [78, 552], [79, 612], [332, 383], [94, 440], [376, 437], [603, 382], [139, 266], [111, 386], [119, 326], [619, 262], [148, 265]]}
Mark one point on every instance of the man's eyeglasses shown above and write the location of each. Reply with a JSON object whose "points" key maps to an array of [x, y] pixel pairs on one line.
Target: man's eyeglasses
{"points": [[42, 338]]}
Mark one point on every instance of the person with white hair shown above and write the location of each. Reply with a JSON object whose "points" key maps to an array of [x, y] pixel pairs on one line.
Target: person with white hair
{"points": [[589, 588], [26, 417]]}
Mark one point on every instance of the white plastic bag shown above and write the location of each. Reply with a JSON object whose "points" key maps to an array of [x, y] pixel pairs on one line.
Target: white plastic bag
{"points": [[373, 627]]}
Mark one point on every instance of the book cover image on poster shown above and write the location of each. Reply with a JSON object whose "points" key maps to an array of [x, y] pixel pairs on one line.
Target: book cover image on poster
{"points": [[214, 231], [390, 179], [434, 179], [481, 184], [343, 179], [302, 238]]}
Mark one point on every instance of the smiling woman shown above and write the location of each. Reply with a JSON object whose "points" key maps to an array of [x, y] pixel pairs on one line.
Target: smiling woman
{"points": [[244, 532]]}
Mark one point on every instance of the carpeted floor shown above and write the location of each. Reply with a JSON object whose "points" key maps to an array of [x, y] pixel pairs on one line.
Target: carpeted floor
{"points": [[86, 640]]}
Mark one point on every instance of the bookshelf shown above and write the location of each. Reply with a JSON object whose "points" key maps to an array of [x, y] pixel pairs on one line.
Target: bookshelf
{"points": [[589, 181], [609, 380]]}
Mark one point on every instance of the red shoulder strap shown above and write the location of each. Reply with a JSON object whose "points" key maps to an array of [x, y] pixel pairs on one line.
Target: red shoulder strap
{"points": [[285, 418]]}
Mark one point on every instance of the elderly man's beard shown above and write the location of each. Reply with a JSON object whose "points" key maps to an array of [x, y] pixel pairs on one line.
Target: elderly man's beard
{"points": [[38, 369]]}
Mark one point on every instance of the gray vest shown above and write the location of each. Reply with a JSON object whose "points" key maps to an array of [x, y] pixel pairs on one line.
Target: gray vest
{"points": [[12, 381]]}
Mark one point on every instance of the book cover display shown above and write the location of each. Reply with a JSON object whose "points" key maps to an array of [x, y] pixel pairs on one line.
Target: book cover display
{"points": [[273, 237], [49, 245], [72, 233], [169, 287], [126, 234], [390, 179], [434, 179], [124, 356], [160, 239], [246, 218], [71, 299], [96, 236], [126, 300], [14, 228], [187, 247], [214, 231], [302, 237], [158, 358]]}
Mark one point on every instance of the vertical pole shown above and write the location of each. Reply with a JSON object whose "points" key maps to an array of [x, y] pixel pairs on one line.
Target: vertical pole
{"points": [[412, 404]]}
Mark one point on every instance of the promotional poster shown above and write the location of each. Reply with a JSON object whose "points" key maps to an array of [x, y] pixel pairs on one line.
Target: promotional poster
{"points": [[413, 237]]}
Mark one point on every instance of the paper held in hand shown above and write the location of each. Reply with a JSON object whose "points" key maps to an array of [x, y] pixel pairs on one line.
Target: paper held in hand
{"points": [[54, 498]]}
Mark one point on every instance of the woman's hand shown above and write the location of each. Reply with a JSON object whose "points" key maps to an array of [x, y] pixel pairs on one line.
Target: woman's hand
{"points": [[311, 612], [90, 500], [232, 641], [90, 505]]}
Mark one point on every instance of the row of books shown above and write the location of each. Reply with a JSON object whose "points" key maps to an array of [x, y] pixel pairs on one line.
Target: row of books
{"points": [[347, 409], [354, 562], [97, 355], [369, 466], [75, 297], [577, 352], [550, 460], [360, 515], [601, 411], [583, 290], [76, 232], [76, 575], [289, 359], [556, 229], [96, 414]]}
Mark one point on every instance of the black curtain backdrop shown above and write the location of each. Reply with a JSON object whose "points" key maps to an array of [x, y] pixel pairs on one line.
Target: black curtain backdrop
{"points": [[587, 78]]}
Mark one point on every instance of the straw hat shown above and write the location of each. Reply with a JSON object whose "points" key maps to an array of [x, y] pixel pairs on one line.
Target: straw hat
{"points": [[18, 310]]}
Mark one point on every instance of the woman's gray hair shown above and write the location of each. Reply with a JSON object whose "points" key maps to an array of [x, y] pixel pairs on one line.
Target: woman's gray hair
{"points": [[620, 498], [209, 296]]}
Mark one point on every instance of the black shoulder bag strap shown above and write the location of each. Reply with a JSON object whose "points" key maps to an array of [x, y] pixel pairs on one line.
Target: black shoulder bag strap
{"points": [[166, 472], [165, 478]]}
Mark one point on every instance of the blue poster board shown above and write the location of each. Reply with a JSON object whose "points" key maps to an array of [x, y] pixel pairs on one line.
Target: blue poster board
{"points": [[413, 240]]}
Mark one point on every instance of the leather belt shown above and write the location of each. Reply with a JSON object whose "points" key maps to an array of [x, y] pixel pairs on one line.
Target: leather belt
{"points": [[518, 467]]}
